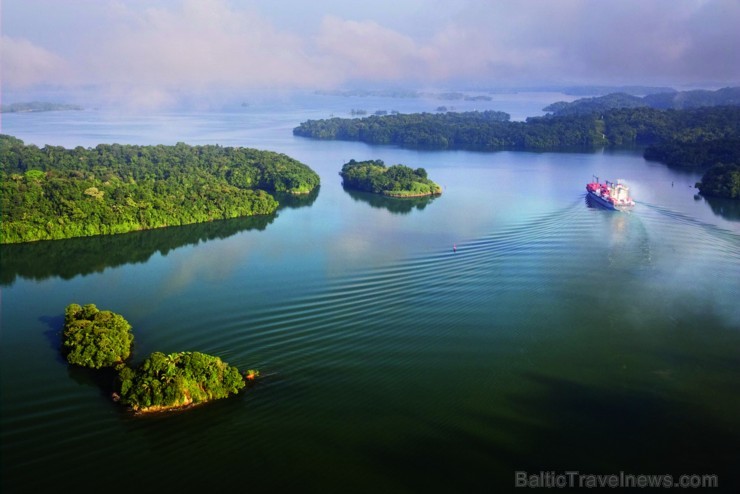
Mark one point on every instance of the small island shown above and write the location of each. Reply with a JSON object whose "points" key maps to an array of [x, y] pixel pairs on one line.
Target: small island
{"points": [[177, 381], [102, 339], [394, 181], [94, 338]]}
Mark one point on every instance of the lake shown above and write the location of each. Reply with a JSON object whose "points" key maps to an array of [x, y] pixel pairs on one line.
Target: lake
{"points": [[558, 337]]}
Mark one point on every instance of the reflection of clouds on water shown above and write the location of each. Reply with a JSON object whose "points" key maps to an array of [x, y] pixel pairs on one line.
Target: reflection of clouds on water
{"points": [[194, 266], [693, 261], [629, 244]]}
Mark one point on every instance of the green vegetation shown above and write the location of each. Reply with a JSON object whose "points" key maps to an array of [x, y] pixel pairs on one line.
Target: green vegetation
{"points": [[54, 193], [721, 180], [94, 338], [489, 131], [36, 106], [695, 155], [178, 380], [394, 181], [484, 131]]}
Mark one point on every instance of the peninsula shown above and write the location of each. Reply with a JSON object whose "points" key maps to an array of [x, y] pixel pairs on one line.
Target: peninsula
{"points": [[54, 193], [394, 181]]}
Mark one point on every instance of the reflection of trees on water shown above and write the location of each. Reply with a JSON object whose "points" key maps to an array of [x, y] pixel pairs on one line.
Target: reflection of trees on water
{"points": [[728, 209], [85, 255], [294, 201], [395, 205]]}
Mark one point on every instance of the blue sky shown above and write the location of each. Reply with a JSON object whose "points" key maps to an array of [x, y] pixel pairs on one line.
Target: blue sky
{"points": [[147, 50]]}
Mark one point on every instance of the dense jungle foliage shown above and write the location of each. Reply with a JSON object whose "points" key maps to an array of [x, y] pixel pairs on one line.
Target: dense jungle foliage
{"points": [[177, 380], [395, 181], [477, 131], [53, 192], [94, 338], [721, 180]]}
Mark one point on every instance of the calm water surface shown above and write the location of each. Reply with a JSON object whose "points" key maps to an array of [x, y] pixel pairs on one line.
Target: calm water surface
{"points": [[558, 337]]}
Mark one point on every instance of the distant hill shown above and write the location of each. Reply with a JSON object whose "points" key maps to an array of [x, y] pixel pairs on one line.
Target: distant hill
{"points": [[34, 106], [695, 99], [680, 100], [604, 90]]}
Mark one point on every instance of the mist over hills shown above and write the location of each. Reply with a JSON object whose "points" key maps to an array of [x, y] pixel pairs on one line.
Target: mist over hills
{"points": [[677, 100]]}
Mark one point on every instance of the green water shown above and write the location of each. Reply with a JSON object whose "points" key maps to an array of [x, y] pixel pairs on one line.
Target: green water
{"points": [[557, 337]]}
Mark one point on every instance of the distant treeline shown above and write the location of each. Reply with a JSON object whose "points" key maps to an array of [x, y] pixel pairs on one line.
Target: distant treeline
{"points": [[53, 192], [403, 93], [35, 106], [676, 100], [696, 138], [490, 131]]}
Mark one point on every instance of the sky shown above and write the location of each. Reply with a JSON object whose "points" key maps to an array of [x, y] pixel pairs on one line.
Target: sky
{"points": [[144, 52]]}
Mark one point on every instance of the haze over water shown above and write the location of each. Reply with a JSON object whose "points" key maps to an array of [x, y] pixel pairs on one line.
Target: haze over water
{"points": [[557, 337]]}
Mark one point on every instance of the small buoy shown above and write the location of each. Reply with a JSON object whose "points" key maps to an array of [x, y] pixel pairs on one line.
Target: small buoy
{"points": [[454, 247]]}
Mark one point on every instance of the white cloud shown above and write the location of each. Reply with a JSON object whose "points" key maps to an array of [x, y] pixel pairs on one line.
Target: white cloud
{"points": [[367, 50], [151, 51], [204, 44], [25, 64]]}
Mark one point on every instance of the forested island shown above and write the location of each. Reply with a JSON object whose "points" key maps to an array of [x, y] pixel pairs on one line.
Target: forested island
{"points": [[102, 339], [178, 380], [94, 338], [695, 138], [37, 106], [53, 193], [394, 181]]}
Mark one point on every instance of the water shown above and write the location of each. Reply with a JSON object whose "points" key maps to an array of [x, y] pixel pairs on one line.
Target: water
{"points": [[558, 337]]}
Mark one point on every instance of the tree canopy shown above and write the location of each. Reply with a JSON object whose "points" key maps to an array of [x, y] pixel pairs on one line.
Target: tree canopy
{"points": [[53, 193], [94, 338], [721, 180], [396, 181], [178, 380], [479, 131]]}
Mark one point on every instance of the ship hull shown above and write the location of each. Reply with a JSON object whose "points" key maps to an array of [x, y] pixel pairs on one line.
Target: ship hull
{"points": [[600, 201]]}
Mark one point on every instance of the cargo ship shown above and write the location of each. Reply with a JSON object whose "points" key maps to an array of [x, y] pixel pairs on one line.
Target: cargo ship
{"points": [[609, 195]]}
